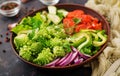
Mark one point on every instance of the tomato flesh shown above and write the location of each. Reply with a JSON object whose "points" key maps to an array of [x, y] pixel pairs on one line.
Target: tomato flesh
{"points": [[86, 21]]}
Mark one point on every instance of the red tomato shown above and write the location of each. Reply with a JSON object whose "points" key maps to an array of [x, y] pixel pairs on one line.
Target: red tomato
{"points": [[68, 22], [75, 13], [83, 26], [87, 22], [86, 19], [79, 27], [95, 20], [97, 26], [89, 26]]}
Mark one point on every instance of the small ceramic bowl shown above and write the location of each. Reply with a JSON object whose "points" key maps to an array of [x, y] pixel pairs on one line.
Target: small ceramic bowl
{"points": [[69, 7], [9, 8]]}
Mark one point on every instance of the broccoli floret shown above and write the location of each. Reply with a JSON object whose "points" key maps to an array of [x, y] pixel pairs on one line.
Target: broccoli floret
{"points": [[20, 40], [44, 57], [59, 51], [26, 53]]}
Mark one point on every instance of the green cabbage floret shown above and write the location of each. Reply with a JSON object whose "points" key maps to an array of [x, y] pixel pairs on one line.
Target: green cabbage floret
{"points": [[20, 40], [26, 53], [58, 51], [44, 57]]}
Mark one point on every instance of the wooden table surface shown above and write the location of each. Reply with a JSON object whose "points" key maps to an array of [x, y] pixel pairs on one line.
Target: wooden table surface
{"points": [[10, 65]]}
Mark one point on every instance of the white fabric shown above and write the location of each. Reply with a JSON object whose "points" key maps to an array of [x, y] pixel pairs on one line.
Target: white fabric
{"points": [[111, 10]]}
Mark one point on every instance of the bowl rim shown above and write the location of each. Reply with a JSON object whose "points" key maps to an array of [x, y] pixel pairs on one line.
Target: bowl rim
{"points": [[74, 65]]}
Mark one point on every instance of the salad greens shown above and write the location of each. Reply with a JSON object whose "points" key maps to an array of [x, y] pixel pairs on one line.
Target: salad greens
{"points": [[41, 39]]}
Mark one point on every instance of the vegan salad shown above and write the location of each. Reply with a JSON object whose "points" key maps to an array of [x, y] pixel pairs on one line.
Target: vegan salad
{"points": [[57, 38]]}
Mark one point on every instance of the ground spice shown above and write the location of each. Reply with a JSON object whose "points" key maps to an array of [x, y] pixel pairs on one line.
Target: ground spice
{"points": [[0, 42], [7, 33], [4, 51], [9, 6], [7, 39], [1, 35]]}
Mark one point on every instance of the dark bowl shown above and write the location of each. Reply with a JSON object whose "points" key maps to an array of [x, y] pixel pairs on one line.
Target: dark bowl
{"points": [[70, 7]]}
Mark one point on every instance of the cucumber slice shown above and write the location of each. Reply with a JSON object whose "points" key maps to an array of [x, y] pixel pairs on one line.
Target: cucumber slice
{"points": [[64, 12], [54, 18], [52, 9]]}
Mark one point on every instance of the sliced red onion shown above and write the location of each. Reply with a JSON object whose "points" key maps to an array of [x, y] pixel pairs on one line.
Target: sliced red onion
{"points": [[74, 57], [80, 54], [52, 64], [66, 60], [85, 56], [78, 61], [73, 49], [61, 60], [69, 59]]}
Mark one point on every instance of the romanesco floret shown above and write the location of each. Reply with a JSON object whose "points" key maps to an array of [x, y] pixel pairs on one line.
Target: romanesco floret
{"points": [[20, 40], [44, 57], [36, 48], [56, 42], [59, 51], [26, 53], [60, 32], [56, 31], [51, 30], [41, 32]]}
